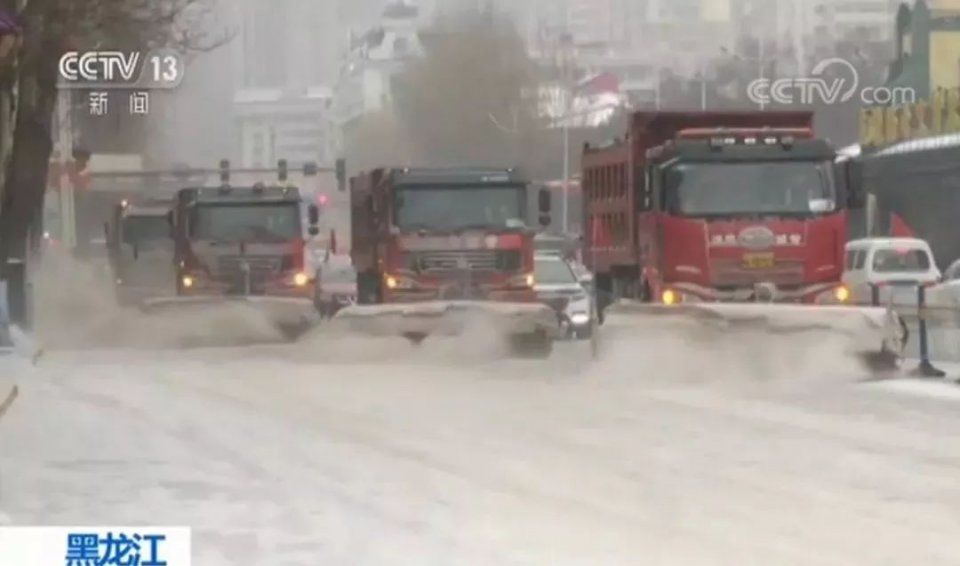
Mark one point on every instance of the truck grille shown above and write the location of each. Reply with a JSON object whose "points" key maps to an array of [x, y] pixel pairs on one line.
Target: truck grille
{"points": [[472, 260], [262, 268], [731, 273]]}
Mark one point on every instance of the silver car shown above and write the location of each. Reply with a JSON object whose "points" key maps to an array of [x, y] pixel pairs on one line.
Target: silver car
{"points": [[558, 286]]}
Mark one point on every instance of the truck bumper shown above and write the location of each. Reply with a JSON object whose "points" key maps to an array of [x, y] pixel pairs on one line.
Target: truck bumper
{"points": [[760, 293]]}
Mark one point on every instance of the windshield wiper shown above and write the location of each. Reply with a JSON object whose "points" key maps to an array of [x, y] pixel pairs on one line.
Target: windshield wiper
{"points": [[482, 226], [418, 227]]}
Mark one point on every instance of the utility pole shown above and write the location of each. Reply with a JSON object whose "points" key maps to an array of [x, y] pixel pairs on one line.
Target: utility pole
{"points": [[656, 93], [68, 217], [703, 88], [761, 53], [567, 94]]}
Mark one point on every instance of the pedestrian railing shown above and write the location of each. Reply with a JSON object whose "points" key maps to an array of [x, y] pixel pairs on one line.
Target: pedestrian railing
{"points": [[924, 316]]}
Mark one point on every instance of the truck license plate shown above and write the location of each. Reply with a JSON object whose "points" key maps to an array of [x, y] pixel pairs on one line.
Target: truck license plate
{"points": [[758, 261]]}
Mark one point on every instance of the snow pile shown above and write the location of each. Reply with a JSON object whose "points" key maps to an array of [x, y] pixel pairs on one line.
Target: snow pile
{"points": [[76, 308], [682, 350], [480, 339]]}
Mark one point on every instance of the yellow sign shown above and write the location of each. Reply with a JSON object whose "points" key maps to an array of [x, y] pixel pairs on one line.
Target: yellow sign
{"points": [[882, 126], [758, 261]]}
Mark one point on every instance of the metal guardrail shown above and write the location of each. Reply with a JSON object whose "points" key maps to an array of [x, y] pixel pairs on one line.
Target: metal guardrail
{"points": [[923, 314]]}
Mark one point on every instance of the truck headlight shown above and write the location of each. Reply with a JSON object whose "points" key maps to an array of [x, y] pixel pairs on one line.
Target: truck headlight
{"points": [[525, 280], [842, 293], [187, 281], [301, 279], [399, 282], [670, 297]]}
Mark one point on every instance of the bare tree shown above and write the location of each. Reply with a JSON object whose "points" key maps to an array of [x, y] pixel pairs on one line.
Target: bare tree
{"points": [[472, 100], [52, 27]]}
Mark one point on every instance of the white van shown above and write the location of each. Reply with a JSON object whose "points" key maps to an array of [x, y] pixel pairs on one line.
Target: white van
{"points": [[896, 266]]}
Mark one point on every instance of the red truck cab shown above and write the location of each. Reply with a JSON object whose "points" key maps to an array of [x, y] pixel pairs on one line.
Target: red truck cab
{"points": [[241, 241], [715, 207], [441, 234]]}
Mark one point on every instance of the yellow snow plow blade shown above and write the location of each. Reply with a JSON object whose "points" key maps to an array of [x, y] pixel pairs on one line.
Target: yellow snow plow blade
{"points": [[875, 334], [291, 316], [528, 328]]}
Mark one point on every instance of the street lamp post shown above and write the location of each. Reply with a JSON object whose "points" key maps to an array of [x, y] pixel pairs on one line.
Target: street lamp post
{"points": [[567, 93]]}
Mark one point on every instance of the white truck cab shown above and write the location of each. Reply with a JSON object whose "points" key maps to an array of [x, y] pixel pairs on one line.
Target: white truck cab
{"points": [[896, 266]]}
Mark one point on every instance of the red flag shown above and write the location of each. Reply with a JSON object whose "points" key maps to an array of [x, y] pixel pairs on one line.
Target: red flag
{"points": [[899, 228]]}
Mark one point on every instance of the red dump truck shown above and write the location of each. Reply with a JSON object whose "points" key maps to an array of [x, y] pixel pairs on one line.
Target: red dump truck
{"points": [[433, 247], [716, 206], [740, 217]]}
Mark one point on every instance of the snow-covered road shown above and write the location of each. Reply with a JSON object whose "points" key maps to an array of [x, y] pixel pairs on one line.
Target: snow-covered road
{"points": [[276, 457]]}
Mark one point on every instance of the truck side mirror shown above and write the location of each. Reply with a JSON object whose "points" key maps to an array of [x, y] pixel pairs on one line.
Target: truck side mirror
{"points": [[852, 173], [313, 214], [136, 250], [544, 202]]}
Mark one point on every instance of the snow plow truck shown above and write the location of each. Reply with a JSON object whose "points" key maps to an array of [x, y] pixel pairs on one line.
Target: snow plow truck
{"points": [[243, 248], [441, 251], [734, 217]]}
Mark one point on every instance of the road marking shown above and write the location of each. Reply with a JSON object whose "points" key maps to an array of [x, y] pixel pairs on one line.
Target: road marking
{"points": [[9, 401]]}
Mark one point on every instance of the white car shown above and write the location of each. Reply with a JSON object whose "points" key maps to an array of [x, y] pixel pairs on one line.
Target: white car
{"points": [[947, 293], [559, 287], [894, 267]]}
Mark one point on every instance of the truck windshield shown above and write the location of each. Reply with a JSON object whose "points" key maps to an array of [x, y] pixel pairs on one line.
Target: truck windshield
{"points": [[141, 229], [246, 222], [446, 208], [905, 260], [727, 189]]}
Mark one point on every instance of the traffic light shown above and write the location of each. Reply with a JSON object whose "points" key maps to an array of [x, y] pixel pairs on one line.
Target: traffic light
{"points": [[341, 170], [225, 171], [282, 170], [310, 169]]}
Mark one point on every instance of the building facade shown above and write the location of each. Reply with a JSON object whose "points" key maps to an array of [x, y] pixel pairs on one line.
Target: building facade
{"points": [[928, 47], [372, 58], [285, 59]]}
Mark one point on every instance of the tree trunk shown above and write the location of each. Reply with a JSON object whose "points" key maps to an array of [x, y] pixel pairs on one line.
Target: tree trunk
{"points": [[26, 171]]}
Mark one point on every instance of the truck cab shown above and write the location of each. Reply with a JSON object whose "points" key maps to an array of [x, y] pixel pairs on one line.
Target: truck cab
{"points": [[242, 241], [725, 206], [140, 251], [742, 216], [442, 234]]}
